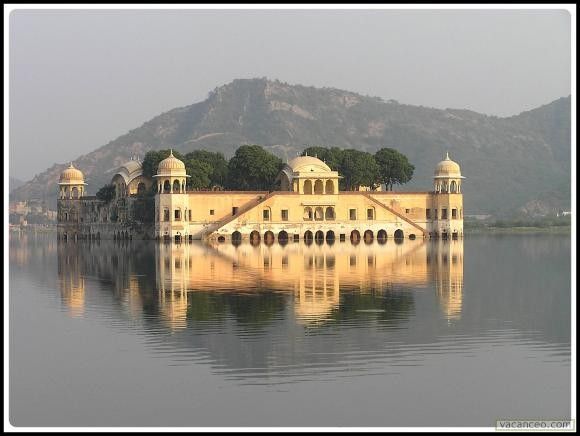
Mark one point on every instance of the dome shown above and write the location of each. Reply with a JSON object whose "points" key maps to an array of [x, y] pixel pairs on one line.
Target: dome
{"points": [[448, 168], [171, 166], [130, 170], [132, 166], [71, 176], [308, 163]]}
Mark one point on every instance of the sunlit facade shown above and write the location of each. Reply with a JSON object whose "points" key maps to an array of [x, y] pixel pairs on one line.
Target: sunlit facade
{"points": [[309, 206]]}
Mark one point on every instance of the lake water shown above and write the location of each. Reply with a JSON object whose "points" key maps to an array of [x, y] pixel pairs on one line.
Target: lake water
{"points": [[422, 333]]}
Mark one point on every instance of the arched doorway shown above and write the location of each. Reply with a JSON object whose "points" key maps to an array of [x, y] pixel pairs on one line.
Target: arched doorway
{"points": [[330, 237], [255, 237], [141, 188], [308, 187], [319, 237], [236, 238], [176, 186], [355, 237], [368, 236], [399, 236], [283, 237], [382, 236], [269, 238], [166, 187], [308, 237]]}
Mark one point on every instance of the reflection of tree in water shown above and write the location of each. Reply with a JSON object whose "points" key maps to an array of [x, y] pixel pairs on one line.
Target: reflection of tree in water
{"points": [[386, 307], [250, 310]]}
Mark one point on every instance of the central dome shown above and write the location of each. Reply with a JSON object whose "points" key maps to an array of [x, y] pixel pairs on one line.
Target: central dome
{"points": [[308, 163]]}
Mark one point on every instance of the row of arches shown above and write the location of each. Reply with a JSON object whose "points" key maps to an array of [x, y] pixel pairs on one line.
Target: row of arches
{"points": [[445, 187], [319, 214], [319, 237], [79, 237], [318, 187], [71, 193], [122, 190], [166, 187], [118, 236]]}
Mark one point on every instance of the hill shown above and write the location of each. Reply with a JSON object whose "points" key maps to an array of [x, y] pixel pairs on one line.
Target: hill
{"points": [[510, 163], [14, 183]]}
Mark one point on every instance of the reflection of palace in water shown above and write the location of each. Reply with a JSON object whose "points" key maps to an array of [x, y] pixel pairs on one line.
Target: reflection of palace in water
{"points": [[71, 280], [164, 277], [315, 274]]}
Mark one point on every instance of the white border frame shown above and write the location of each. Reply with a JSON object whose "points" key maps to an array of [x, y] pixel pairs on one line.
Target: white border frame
{"points": [[8, 8]]}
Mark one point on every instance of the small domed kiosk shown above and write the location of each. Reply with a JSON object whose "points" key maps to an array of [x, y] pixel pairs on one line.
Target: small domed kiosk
{"points": [[447, 177], [171, 176], [71, 183]]}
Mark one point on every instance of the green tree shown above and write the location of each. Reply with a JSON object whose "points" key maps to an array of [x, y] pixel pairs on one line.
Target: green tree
{"points": [[395, 168], [199, 172], [218, 163], [358, 168], [253, 168], [106, 193]]}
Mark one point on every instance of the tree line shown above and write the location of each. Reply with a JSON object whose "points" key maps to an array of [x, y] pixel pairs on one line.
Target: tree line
{"points": [[253, 168]]}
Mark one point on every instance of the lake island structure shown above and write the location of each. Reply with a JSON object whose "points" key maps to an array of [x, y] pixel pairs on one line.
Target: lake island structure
{"points": [[309, 206]]}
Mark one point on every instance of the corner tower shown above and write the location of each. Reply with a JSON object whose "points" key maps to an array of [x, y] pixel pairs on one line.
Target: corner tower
{"points": [[71, 186], [171, 201], [448, 200], [71, 183]]}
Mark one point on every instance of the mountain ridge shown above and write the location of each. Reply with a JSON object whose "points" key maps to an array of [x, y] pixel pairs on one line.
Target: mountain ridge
{"points": [[528, 152]]}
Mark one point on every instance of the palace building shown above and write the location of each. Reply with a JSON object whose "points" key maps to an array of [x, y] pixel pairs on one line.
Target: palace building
{"points": [[309, 206]]}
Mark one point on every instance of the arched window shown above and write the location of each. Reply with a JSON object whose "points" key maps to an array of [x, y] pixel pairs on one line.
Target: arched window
{"points": [[167, 186], [307, 214], [308, 187], [141, 188], [329, 187], [318, 214], [453, 186], [329, 215], [75, 192], [176, 186], [318, 187]]}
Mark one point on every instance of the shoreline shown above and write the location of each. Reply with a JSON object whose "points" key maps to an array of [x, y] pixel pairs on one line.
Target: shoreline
{"points": [[518, 230]]}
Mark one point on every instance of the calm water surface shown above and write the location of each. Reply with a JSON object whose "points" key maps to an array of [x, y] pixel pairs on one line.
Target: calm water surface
{"points": [[445, 333]]}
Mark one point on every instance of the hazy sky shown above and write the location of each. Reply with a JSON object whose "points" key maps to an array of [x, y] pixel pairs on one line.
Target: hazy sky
{"points": [[79, 79]]}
